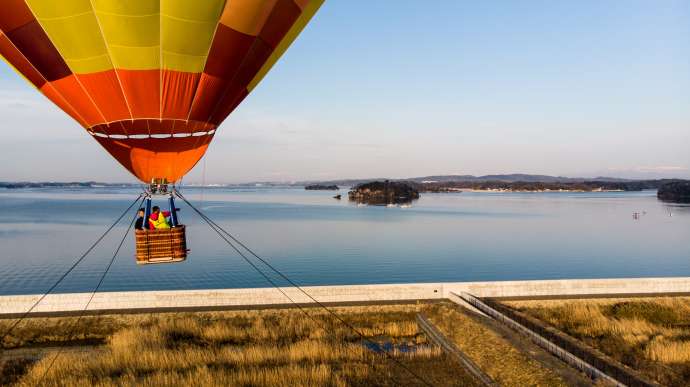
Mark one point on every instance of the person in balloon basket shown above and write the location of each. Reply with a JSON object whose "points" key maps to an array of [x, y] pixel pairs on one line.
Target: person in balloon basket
{"points": [[159, 219], [139, 225]]}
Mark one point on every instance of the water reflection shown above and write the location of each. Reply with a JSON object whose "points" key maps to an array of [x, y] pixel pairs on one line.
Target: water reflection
{"points": [[316, 239]]}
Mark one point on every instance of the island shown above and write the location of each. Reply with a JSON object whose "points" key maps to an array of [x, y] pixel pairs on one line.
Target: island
{"points": [[674, 192], [383, 193], [321, 187], [513, 183]]}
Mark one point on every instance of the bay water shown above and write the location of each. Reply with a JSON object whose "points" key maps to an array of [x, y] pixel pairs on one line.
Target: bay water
{"points": [[317, 240]]}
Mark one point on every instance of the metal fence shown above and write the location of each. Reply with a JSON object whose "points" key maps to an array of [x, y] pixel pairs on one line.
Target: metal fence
{"points": [[437, 337], [622, 377]]}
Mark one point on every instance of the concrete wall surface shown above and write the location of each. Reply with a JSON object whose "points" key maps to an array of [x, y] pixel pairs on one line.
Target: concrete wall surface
{"points": [[571, 287], [219, 298]]}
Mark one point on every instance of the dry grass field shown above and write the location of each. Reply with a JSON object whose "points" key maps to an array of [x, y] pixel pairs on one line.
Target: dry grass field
{"points": [[243, 348], [651, 335], [494, 354]]}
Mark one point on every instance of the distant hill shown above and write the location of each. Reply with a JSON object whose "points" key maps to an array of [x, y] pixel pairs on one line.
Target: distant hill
{"points": [[515, 182], [509, 178], [433, 182], [515, 177], [503, 178], [53, 184]]}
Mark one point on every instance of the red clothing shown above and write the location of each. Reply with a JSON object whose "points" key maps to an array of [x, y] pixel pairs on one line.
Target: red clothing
{"points": [[152, 219]]}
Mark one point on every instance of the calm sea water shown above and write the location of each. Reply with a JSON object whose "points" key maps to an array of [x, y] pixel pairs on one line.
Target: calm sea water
{"points": [[317, 240]]}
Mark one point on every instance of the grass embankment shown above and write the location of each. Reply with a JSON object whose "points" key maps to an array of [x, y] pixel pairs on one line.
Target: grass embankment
{"points": [[493, 353], [651, 335], [269, 347]]}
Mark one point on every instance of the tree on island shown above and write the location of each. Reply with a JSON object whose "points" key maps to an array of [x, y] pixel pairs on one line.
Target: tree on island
{"points": [[321, 187], [383, 193], [675, 192]]}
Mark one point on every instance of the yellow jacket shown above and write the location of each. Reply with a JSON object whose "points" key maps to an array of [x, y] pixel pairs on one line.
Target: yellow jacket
{"points": [[161, 222]]}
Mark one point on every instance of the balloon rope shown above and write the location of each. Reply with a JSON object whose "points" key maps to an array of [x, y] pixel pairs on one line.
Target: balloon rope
{"points": [[223, 233], [93, 293], [74, 265]]}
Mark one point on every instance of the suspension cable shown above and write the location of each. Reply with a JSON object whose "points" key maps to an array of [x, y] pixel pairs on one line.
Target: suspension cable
{"points": [[219, 229], [93, 294], [66, 273]]}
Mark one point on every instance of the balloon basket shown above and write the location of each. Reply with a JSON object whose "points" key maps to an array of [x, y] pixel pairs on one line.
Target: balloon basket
{"points": [[161, 246]]}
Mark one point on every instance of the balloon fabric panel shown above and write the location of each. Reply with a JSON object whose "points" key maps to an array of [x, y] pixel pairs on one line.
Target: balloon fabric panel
{"points": [[150, 80]]}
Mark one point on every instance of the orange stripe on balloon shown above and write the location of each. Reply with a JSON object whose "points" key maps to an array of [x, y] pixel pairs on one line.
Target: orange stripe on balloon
{"points": [[52, 94], [150, 158], [142, 89], [70, 88], [178, 92], [104, 89], [246, 16]]}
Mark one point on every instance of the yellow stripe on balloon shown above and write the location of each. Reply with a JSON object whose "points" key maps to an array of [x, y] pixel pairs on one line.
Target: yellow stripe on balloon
{"points": [[194, 11], [127, 7], [135, 58], [132, 32], [187, 29], [73, 29], [307, 13], [58, 9], [181, 62]]}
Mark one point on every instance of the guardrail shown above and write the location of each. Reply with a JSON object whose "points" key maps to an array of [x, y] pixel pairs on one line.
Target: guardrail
{"points": [[574, 361], [437, 337]]}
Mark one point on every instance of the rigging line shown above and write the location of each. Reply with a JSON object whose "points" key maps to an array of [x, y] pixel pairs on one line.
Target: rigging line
{"points": [[214, 225], [256, 268], [74, 265], [93, 294], [216, 228]]}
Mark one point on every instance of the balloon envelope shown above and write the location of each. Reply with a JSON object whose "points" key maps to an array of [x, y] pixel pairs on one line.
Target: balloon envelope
{"points": [[150, 80]]}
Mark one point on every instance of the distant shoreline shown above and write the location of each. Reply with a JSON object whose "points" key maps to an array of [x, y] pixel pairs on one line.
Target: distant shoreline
{"points": [[460, 190], [231, 186], [438, 183]]}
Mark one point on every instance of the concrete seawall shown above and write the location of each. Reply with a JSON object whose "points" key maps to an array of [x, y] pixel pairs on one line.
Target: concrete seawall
{"points": [[264, 297]]}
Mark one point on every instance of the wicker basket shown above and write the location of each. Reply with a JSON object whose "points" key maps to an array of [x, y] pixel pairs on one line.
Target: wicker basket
{"points": [[161, 246]]}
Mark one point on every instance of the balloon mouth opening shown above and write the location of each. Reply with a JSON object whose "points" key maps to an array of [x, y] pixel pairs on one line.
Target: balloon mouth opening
{"points": [[152, 135]]}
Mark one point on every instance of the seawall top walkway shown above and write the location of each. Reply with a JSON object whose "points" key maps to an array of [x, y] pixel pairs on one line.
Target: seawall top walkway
{"points": [[247, 298]]}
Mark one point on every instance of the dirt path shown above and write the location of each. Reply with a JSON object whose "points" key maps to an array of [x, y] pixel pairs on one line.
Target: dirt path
{"points": [[504, 355]]}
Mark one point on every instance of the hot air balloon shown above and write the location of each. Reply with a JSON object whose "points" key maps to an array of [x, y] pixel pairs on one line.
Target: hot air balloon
{"points": [[150, 80]]}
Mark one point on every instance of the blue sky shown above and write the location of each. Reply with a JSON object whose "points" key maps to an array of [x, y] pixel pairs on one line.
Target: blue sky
{"points": [[409, 88]]}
